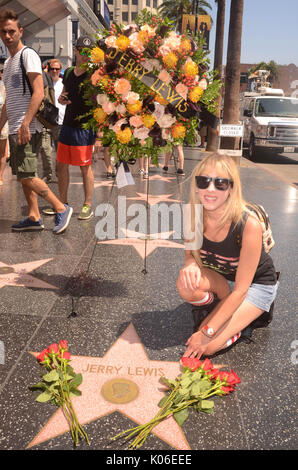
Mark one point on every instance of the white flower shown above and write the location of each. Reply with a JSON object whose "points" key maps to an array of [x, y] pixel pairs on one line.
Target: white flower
{"points": [[159, 111], [120, 109], [102, 99], [166, 121], [141, 133], [203, 84]]}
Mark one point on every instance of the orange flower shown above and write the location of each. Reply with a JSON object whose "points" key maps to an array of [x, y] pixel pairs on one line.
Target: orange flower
{"points": [[134, 108], [178, 131], [170, 60], [190, 68], [123, 42], [161, 100], [124, 136], [185, 46], [148, 120], [97, 55], [96, 77], [99, 115], [195, 94]]}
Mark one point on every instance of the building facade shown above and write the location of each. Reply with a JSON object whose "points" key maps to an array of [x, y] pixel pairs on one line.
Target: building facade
{"points": [[125, 11]]}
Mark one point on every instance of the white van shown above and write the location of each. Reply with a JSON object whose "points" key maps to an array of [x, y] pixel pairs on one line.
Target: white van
{"points": [[270, 122]]}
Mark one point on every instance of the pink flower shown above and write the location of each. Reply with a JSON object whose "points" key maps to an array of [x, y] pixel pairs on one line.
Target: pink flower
{"points": [[136, 121], [120, 109], [122, 86], [182, 90], [101, 99], [42, 355], [131, 97], [164, 76], [203, 84], [141, 133], [111, 41], [108, 107]]}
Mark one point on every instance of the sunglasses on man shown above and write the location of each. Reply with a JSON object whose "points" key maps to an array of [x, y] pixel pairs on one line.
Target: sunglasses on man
{"points": [[55, 68], [222, 184]]}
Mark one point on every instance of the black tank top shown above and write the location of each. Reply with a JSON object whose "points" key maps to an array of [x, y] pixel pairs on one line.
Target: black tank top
{"points": [[223, 256]]}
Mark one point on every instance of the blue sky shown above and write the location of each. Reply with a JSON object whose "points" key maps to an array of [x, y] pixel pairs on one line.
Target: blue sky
{"points": [[270, 31]]}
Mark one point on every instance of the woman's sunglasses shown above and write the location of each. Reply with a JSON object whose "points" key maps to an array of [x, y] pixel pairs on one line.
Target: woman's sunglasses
{"points": [[222, 184]]}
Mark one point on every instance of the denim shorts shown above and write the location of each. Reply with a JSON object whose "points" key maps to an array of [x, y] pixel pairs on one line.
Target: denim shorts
{"points": [[260, 295]]}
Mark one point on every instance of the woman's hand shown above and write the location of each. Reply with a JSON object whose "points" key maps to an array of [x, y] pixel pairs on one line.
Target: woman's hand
{"points": [[190, 276], [197, 345]]}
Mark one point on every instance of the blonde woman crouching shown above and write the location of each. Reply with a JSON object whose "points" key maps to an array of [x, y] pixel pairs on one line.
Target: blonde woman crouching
{"points": [[230, 262]]}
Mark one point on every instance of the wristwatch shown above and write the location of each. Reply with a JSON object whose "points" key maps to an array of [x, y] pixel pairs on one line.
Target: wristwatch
{"points": [[208, 331]]}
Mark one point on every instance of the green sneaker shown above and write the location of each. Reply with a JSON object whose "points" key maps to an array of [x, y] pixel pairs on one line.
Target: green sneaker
{"points": [[48, 211], [86, 212]]}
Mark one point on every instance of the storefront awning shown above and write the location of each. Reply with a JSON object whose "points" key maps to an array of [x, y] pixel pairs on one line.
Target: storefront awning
{"points": [[36, 15]]}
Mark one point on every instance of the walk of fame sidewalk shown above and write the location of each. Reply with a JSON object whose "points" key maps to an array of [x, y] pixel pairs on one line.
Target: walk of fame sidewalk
{"points": [[127, 326]]}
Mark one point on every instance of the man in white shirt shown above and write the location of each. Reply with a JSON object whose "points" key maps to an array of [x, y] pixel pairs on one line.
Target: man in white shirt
{"points": [[19, 110]]}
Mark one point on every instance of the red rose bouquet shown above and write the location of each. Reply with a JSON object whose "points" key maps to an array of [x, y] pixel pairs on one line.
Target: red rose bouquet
{"points": [[59, 384], [199, 381]]}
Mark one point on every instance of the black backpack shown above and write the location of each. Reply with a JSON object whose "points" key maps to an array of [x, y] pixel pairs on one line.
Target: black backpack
{"points": [[47, 113]]}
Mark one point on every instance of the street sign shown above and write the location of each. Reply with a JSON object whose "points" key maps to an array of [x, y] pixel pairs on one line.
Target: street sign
{"points": [[230, 130]]}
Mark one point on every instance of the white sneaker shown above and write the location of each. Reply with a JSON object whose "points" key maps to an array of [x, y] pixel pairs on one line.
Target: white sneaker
{"points": [[145, 175]]}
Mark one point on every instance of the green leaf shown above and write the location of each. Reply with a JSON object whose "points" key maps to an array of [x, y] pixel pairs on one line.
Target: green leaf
{"points": [[207, 404], [75, 393], [185, 382], [77, 380], [44, 397], [181, 416], [168, 382], [51, 376], [38, 386], [196, 389], [162, 401]]}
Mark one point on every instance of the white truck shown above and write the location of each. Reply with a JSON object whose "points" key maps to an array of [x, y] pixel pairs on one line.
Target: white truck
{"points": [[270, 120]]}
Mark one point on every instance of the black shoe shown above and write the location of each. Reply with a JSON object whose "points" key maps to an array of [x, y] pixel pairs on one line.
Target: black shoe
{"points": [[180, 172], [165, 168], [199, 313]]}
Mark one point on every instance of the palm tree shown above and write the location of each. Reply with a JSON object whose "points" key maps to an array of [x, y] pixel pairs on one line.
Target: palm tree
{"points": [[232, 81], [271, 66], [175, 10], [218, 56]]}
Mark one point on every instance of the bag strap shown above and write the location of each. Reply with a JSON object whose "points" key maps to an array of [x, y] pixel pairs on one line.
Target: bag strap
{"points": [[24, 74], [67, 71]]}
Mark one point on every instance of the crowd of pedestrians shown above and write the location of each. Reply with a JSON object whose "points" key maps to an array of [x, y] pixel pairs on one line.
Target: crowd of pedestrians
{"points": [[23, 138]]}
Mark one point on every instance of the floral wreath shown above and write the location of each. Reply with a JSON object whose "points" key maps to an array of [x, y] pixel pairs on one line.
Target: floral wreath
{"points": [[147, 86]]}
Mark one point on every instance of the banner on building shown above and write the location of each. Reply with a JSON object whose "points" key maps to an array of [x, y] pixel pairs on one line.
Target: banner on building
{"points": [[197, 24]]}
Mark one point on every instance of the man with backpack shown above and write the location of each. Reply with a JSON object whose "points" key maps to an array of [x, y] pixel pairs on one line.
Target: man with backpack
{"points": [[20, 110]]}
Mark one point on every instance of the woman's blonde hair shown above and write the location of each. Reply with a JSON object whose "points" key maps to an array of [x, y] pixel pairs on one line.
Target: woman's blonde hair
{"points": [[235, 203]]}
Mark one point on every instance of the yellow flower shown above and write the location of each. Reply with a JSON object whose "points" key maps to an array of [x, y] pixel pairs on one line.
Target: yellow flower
{"points": [[161, 100], [190, 68], [123, 42], [105, 80], [170, 60], [134, 108], [143, 36], [185, 45], [124, 136], [97, 55], [148, 120], [178, 131], [195, 94], [99, 115]]}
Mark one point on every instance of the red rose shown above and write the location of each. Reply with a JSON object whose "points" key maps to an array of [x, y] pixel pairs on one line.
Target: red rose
{"points": [[233, 378], [207, 364], [213, 374], [191, 362], [227, 390], [53, 348], [42, 355], [66, 355], [63, 344]]}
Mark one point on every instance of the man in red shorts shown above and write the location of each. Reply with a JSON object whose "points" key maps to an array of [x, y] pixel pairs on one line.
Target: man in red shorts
{"points": [[75, 144]]}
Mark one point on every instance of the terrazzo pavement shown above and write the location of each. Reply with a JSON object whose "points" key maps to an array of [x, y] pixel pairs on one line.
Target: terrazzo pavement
{"points": [[124, 288]]}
